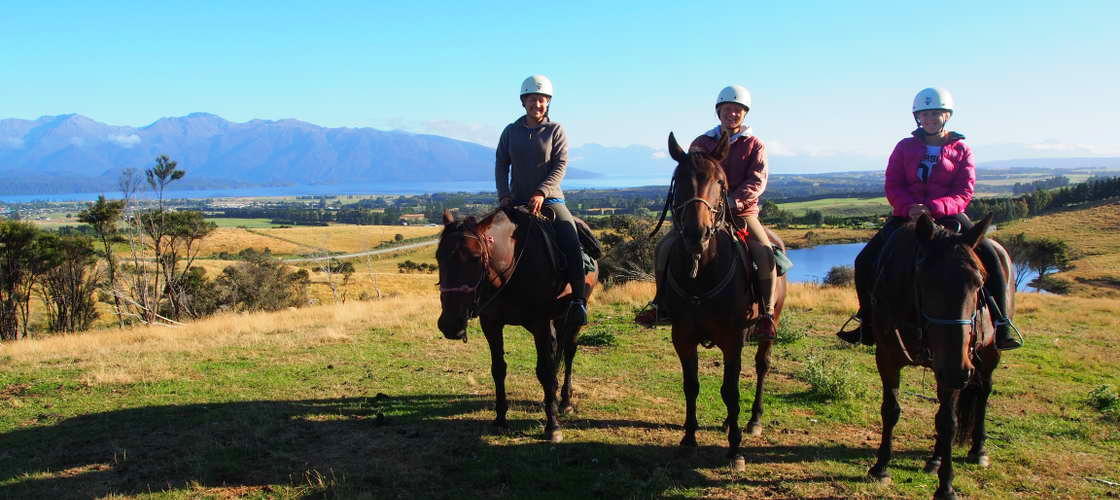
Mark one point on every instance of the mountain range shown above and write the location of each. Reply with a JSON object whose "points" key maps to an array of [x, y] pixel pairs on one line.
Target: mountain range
{"points": [[72, 153]]}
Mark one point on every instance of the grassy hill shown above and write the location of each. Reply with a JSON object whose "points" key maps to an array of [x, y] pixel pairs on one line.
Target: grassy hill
{"points": [[1093, 234], [366, 400]]}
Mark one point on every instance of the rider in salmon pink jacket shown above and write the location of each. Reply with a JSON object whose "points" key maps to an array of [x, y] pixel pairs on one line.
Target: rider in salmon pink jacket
{"points": [[930, 172]]}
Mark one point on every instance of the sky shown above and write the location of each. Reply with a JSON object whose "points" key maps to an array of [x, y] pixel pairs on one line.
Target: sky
{"points": [[835, 79]]}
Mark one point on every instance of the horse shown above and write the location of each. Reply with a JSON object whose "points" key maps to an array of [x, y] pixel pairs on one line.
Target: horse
{"points": [[929, 311], [500, 269], [707, 288]]}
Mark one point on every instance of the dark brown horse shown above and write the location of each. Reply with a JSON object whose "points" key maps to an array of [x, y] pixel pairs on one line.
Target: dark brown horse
{"points": [[707, 286], [499, 269], [930, 312]]}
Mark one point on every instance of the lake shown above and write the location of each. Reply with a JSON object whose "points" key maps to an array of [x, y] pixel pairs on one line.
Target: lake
{"points": [[810, 265]]}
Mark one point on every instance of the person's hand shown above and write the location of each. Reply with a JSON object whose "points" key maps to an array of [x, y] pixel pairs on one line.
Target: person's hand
{"points": [[505, 201], [916, 210], [535, 203]]}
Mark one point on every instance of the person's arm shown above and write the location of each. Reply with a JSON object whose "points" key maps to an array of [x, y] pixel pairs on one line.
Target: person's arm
{"points": [[961, 193], [747, 193], [501, 167], [557, 163], [897, 186]]}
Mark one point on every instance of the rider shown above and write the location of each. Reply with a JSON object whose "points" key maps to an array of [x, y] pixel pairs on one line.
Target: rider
{"points": [[931, 172], [746, 170], [537, 150]]}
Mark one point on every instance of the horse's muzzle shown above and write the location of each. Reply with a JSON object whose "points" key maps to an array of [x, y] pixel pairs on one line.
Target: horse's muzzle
{"points": [[451, 327]]}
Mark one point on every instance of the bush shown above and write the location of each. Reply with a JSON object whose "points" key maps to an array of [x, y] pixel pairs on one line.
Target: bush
{"points": [[262, 284], [790, 330], [831, 378], [1051, 284], [840, 276], [597, 339], [1105, 400]]}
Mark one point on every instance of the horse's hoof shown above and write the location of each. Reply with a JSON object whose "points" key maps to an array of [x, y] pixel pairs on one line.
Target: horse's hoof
{"points": [[739, 464], [932, 466], [980, 459], [566, 409], [877, 475], [754, 429], [946, 495], [501, 423], [556, 436]]}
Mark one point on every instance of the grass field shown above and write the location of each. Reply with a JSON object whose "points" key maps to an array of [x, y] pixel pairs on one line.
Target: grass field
{"points": [[1094, 238], [249, 223], [845, 207], [366, 400]]}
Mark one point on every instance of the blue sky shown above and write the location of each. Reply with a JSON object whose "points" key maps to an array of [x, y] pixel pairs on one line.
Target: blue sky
{"points": [[829, 79]]}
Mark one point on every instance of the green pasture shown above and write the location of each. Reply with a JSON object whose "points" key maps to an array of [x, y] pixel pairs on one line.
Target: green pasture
{"points": [[236, 222], [840, 206], [391, 414]]}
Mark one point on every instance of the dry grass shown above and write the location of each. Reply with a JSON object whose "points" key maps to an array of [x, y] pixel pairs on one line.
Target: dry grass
{"points": [[1094, 238], [233, 240], [347, 238], [140, 354], [801, 238]]}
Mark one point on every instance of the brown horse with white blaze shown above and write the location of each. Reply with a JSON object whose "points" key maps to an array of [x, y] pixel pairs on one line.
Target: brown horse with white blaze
{"points": [[930, 302], [499, 269], [707, 285]]}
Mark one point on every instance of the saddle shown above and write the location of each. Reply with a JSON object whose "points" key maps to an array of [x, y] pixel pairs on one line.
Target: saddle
{"points": [[590, 248]]}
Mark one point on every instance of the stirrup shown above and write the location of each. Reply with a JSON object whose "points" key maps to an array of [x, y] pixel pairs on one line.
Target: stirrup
{"points": [[577, 312], [1012, 343], [855, 335], [769, 320]]}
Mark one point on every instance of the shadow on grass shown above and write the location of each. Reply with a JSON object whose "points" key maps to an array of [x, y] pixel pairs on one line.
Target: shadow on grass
{"points": [[407, 446]]}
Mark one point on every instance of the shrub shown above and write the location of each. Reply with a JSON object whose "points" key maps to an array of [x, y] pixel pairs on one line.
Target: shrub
{"points": [[840, 276], [831, 378], [597, 339], [1105, 400], [791, 330]]}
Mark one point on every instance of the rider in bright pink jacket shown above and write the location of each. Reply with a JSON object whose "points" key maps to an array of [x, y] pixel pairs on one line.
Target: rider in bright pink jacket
{"points": [[949, 187]]}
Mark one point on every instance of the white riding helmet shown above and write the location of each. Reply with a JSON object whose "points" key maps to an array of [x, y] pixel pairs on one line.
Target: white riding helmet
{"points": [[537, 84], [933, 98], [735, 93]]}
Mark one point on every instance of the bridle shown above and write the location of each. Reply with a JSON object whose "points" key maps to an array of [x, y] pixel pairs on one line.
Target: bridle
{"points": [[501, 278]]}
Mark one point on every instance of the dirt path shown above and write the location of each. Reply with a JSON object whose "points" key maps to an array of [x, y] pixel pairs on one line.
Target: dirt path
{"points": [[367, 252]]}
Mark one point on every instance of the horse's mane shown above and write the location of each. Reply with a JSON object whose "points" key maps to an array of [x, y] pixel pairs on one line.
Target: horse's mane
{"points": [[900, 252]]}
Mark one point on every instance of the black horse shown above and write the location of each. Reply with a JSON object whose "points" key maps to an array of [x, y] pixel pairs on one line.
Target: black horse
{"points": [[501, 269], [929, 299]]}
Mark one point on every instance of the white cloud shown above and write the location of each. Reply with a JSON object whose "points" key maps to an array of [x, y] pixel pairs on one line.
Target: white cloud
{"points": [[125, 141], [659, 155], [12, 142], [1061, 147], [778, 148]]}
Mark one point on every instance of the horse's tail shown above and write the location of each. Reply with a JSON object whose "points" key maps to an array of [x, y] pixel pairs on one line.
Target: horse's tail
{"points": [[967, 408]]}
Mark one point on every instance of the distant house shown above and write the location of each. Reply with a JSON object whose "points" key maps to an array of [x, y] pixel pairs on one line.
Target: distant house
{"points": [[407, 219], [601, 211]]}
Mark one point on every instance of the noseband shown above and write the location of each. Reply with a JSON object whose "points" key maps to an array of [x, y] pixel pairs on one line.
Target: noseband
{"points": [[504, 277]]}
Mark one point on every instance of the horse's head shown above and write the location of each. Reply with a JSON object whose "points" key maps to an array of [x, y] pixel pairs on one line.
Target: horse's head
{"points": [[947, 278], [463, 255], [699, 192]]}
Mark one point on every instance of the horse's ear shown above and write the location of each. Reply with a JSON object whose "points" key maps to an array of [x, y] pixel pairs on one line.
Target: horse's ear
{"points": [[973, 236], [447, 217], [675, 150], [722, 147], [924, 227]]}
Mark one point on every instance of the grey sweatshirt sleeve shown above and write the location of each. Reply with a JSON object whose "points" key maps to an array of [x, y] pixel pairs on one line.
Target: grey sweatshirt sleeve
{"points": [[501, 165], [557, 163]]}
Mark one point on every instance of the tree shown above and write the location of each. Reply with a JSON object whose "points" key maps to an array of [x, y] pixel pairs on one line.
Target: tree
{"points": [[23, 257], [1021, 251], [67, 288], [262, 283], [105, 216], [184, 230], [1049, 255]]}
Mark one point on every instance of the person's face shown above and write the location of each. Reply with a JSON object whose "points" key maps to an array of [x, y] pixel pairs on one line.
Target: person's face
{"points": [[536, 105], [731, 115], [933, 120]]}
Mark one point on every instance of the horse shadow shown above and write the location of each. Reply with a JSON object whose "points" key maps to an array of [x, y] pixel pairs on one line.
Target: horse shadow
{"points": [[432, 446]]}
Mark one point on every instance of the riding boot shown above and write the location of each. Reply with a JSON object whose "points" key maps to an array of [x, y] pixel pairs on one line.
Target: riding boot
{"points": [[861, 333], [655, 313], [997, 288], [568, 239], [767, 283]]}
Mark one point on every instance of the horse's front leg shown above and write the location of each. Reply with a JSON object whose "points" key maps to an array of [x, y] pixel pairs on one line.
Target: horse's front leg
{"points": [[978, 454], [568, 344], [493, 331], [946, 430], [761, 368], [732, 367], [544, 337], [890, 374], [686, 352]]}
